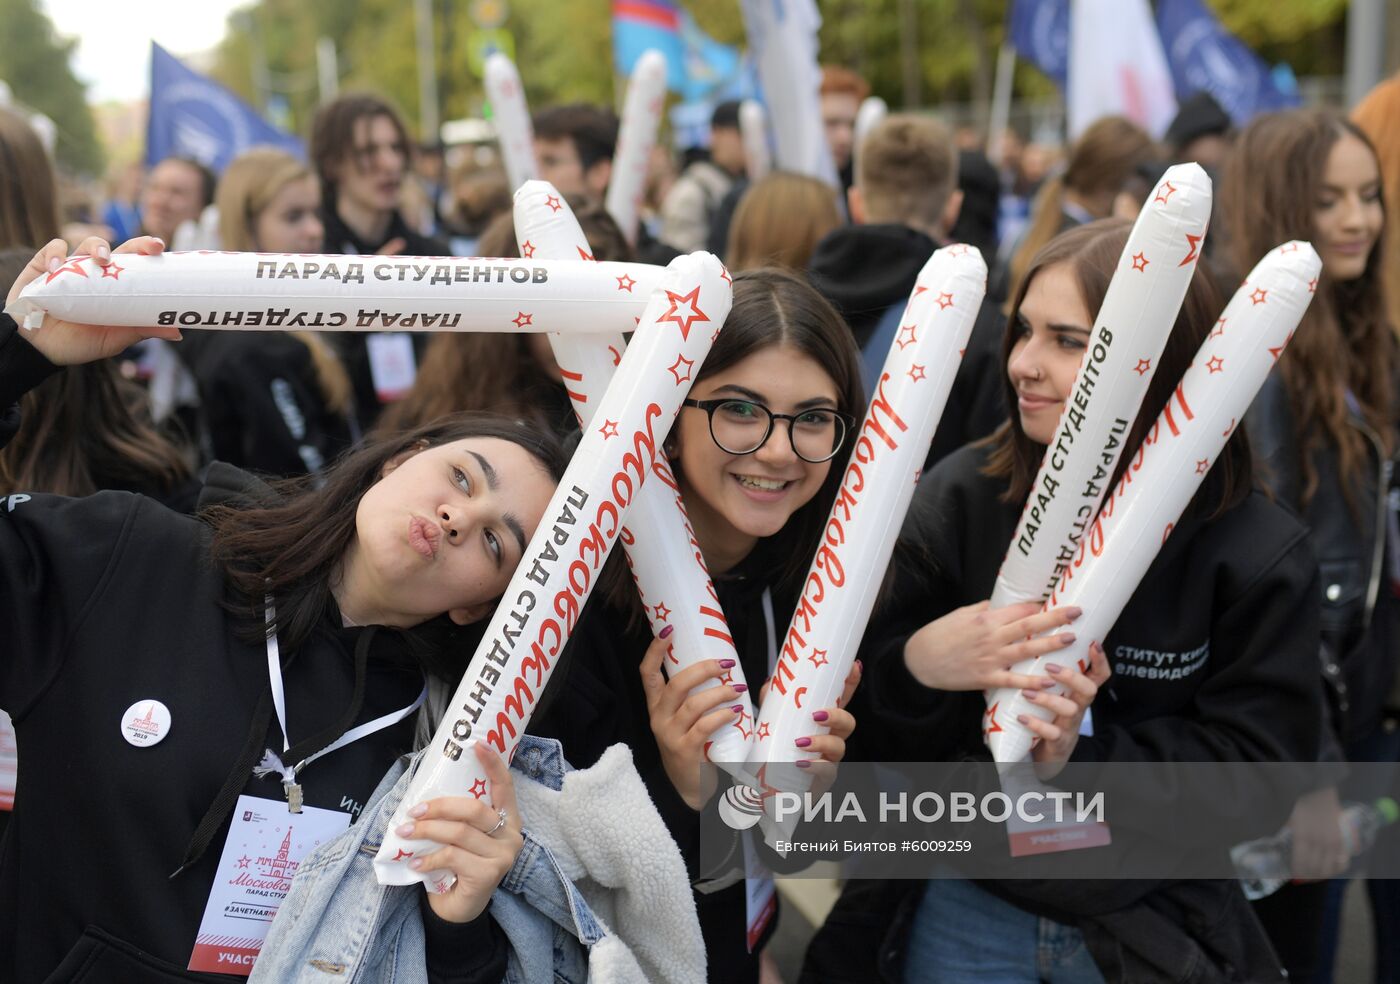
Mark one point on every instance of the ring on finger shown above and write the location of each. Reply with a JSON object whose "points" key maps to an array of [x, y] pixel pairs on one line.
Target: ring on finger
{"points": [[500, 822]]}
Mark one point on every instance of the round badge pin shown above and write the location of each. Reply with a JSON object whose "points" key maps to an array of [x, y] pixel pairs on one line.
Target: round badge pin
{"points": [[146, 723]]}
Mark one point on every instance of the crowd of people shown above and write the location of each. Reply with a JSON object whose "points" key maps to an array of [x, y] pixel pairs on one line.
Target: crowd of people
{"points": [[294, 540]]}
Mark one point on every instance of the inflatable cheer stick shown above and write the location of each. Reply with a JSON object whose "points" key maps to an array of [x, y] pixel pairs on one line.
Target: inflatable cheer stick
{"points": [[541, 605], [1129, 334], [1183, 444], [753, 132], [340, 293], [636, 136], [860, 533], [512, 118], [662, 551]]}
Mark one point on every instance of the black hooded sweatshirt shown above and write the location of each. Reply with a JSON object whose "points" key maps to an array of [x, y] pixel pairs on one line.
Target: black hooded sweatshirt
{"points": [[113, 599]]}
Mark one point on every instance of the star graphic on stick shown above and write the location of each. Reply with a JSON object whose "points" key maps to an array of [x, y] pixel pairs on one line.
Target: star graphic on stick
{"points": [[945, 300], [1232, 423], [663, 614], [626, 283], [1140, 262], [1164, 192], [75, 265], [919, 289], [609, 429], [1288, 248], [522, 319], [692, 310], [1202, 465], [1193, 248], [906, 336], [1259, 295], [1219, 328], [958, 249], [553, 203], [991, 717], [112, 271], [1143, 367], [917, 373], [583, 254], [403, 854], [243, 861], [527, 249], [763, 731], [739, 722], [479, 788], [818, 657], [677, 371], [1215, 364], [724, 274], [1312, 286], [1276, 351]]}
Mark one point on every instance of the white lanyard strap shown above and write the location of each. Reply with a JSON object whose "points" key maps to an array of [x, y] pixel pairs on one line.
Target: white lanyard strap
{"points": [[271, 761]]}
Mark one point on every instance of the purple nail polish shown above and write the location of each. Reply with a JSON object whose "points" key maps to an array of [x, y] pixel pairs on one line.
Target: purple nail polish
{"points": [[739, 688], [820, 715], [738, 708], [665, 631], [726, 664], [803, 764], [1030, 694], [1054, 668], [803, 742]]}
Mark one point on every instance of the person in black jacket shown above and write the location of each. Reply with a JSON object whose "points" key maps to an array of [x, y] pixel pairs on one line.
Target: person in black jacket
{"points": [[1325, 426], [145, 651], [360, 149], [758, 491], [1228, 602]]}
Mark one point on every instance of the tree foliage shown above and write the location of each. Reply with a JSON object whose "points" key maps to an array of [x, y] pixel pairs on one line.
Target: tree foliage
{"points": [[34, 61]]}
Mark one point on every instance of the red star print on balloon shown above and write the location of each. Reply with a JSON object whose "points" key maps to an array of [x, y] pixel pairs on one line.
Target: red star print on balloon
{"points": [[663, 614], [724, 275], [906, 336], [443, 885], [243, 861], [691, 314], [1202, 465], [479, 788], [1219, 328], [1312, 286], [403, 854], [113, 271], [919, 289], [1140, 262], [1288, 248], [958, 249], [583, 254], [1165, 192], [1259, 295], [527, 249], [1143, 367], [609, 429], [917, 373], [553, 203], [945, 300], [991, 723], [818, 657], [763, 731], [1215, 364], [1193, 248], [727, 677], [626, 283], [1231, 426], [739, 723], [522, 319], [74, 265], [677, 371], [1277, 351]]}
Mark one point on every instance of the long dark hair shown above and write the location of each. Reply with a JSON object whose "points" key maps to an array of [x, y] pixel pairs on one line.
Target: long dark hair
{"points": [[1092, 252], [1344, 341], [289, 542], [774, 307]]}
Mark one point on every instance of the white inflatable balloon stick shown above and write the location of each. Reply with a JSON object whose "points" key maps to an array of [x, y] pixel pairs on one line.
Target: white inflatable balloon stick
{"points": [[890, 446], [285, 291], [1129, 333], [541, 606], [753, 132], [1178, 452], [511, 114], [636, 136], [872, 110], [662, 550]]}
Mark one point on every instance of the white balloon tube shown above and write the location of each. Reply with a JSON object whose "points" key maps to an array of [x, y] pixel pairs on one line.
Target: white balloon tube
{"points": [[753, 132], [285, 291], [1128, 337], [662, 550], [541, 605], [636, 136], [865, 519], [872, 110], [1183, 444], [511, 115]]}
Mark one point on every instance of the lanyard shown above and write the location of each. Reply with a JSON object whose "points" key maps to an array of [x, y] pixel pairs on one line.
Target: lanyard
{"points": [[272, 762]]}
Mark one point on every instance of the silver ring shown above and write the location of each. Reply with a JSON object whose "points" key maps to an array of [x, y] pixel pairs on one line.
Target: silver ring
{"points": [[500, 822]]}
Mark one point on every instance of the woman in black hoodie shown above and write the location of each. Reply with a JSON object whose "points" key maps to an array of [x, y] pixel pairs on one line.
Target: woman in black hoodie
{"points": [[1228, 603]]}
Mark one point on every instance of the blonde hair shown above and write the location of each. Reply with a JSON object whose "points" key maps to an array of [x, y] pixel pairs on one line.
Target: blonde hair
{"points": [[248, 186], [906, 169], [1378, 115], [779, 222]]}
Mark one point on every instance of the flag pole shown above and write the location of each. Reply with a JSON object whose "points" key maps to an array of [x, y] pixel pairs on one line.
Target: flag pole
{"points": [[1000, 113]]}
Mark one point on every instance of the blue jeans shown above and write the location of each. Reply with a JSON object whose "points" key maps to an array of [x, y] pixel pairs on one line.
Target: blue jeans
{"points": [[962, 933]]}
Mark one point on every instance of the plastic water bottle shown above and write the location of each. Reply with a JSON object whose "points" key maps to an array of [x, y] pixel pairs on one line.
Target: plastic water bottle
{"points": [[1265, 865]]}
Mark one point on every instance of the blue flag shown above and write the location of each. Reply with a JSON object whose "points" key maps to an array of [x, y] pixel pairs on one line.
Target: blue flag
{"points": [[1205, 57], [193, 116], [1039, 31], [696, 64]]}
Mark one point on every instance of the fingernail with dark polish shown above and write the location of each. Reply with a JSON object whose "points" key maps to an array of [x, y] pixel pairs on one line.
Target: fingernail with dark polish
{"points": [[725, 664], [1054, 668], [1030, 694], [739, 688], [820, 715], [803, 764], [803, 742], [665, 631], [738, 708]]}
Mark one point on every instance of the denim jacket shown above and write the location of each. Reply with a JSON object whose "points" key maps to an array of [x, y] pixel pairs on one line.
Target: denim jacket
{"points": [[339, 924]]}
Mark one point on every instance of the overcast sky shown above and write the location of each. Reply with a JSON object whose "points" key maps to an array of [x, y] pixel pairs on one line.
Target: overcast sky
{"points": [[114, 39]]}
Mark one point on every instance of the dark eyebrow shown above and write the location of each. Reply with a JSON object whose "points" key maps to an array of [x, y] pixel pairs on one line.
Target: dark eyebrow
{"points": [[1070, 329], [748, 394], [492, 482], [516, 530]]}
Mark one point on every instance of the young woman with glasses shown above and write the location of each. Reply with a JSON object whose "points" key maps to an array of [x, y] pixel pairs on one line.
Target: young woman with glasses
{"points": [[757, 452]]}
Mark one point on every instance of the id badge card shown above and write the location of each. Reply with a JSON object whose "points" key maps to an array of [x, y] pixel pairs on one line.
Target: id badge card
{"points": [[391, 364], [760, 896], [266, 844]]}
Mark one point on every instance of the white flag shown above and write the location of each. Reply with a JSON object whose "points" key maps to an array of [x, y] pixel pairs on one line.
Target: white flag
{"points": [[1117, 66]]}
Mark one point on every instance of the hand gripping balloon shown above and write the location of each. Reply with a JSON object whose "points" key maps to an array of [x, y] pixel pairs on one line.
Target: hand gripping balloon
{"points": [[662, 550], [277, 291], [636, 136], [875, 492], [541, 605], [1184, 442], [512, 118]]}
